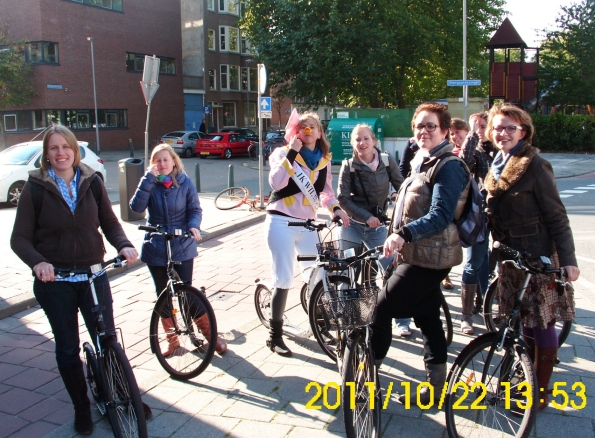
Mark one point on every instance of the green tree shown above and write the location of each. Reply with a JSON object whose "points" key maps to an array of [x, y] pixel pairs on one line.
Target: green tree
{"points": [[568, 57], [381, 53], [16, 87]]}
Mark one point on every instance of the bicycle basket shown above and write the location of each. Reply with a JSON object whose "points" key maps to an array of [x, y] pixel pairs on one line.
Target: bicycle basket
{"points": [[345, 309], [337, 248]]}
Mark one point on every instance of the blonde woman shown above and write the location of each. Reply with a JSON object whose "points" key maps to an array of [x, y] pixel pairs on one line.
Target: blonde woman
{"points": [[172, 202]]}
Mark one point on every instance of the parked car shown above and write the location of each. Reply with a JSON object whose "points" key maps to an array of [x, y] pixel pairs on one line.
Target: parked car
{"points": [[275, 139], [224, 144], [183, 142], [18, 160], [248, 134]]}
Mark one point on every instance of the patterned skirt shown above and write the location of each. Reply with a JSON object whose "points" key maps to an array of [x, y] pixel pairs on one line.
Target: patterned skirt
{"points": [[542, 305]]}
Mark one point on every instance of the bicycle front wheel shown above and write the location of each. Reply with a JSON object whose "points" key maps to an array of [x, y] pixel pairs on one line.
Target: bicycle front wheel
{"points": [[231, 198], [94, 379], [324, 336], [183, 340], [360, 389], [493, 321], [491, 392], [122, 397], [262, 302], [446, 321], [253, 151]]}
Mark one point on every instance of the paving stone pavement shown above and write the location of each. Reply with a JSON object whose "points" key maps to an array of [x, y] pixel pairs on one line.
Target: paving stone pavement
{"points": [[249, 391]]}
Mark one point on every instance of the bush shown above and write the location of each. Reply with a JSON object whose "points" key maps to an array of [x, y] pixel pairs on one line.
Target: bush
{"points": [[564, 133]]}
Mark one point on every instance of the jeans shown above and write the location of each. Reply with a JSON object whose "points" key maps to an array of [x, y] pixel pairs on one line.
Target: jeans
{"points": [[371, 237], [477, 265], [61, 300]]}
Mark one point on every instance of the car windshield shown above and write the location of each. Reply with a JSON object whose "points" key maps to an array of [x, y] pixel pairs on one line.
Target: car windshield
{"points": [[18, 154], [174, 134]]}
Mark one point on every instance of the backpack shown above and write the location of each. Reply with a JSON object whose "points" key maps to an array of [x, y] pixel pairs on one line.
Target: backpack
{"points": [[37, 193], [473, 224]]}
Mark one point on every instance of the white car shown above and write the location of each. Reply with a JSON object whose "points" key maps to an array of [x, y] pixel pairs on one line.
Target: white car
{"points": [[18, 160]]}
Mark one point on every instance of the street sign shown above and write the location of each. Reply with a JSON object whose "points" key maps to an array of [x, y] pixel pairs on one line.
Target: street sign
{"points": [[262, 78], [265, 104], [207, 109], [463, 82], [266, 114]]}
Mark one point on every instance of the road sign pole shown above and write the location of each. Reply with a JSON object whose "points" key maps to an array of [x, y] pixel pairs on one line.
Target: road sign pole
{"points": [[262, 85], [465, 87]]}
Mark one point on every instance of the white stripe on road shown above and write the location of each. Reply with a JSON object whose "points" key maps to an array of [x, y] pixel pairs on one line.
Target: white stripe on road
{"points": [[573, 191], [585, 259], [565, 196], [584, 188]]}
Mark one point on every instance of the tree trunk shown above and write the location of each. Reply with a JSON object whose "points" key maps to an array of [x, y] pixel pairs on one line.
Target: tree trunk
{"points": [[4, 144]]}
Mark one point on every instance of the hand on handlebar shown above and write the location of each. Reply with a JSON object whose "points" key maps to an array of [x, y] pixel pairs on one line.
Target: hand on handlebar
{"points": [[343, 216], [393, 243], [129, 254], [44, 271], [572, 273], [373, 222], [195, 233]]}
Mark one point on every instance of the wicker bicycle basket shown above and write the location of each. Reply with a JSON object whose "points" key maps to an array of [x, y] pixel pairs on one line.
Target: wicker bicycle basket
{"points": [[345, 309]]}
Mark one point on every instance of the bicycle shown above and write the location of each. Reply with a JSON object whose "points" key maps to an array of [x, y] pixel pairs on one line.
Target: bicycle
{"points": [[492, 383], [233, 197], [109, 374], [493, 321], [267, 150], [183, 319]]}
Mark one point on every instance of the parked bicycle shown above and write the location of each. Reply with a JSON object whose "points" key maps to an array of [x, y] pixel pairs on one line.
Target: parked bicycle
{"points": [[193, 340], [233, 197], [267, 150], [109, 373], [492, 387]]}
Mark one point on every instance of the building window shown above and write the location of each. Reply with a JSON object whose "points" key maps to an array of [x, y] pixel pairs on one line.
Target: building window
{"points": [[254, 80], [39, 119], [229, 6], [224, 77], [114, 5], [211, 5], [136, 62], [229, 39], [212, 39], [245, 47], [10, 122], [243, 7], [234, 77], [212, 79], [249, 113], [229, 114], [41, 52]]}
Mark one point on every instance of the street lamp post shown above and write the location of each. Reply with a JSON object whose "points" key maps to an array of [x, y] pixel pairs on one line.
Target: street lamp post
{"points": [[248, 61], [95, 95], [465, 87]]}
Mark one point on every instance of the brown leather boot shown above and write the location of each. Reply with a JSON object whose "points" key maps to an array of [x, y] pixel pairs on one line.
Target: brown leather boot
{"points": [[172, 339], [530, 348], [203, 325], [545, 361], [447, 284], [467, 300]]}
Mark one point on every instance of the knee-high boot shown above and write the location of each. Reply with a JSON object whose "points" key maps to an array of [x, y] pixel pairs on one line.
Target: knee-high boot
{"points": [[76, 385], [545, 361], [467, 300], [275, 341], [436, 376], [203, 325]]}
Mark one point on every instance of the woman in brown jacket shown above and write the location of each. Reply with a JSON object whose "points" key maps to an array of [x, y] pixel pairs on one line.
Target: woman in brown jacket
{"points": [[526, 213]]}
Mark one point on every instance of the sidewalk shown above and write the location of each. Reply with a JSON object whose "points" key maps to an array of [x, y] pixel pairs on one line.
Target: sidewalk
{"points": [[249, 391]]}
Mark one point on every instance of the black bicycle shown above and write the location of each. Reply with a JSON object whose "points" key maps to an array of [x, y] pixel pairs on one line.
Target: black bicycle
{"points": [[109, 373], [183, 328], [492, 388]]}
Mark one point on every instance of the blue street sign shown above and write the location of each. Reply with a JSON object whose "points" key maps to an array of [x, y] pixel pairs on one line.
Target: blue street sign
{"points": [[463, 82], [265, 104], [208, 109]]}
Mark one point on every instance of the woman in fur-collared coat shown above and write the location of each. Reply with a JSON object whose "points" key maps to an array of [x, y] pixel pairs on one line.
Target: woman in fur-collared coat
{"points": [[526, 214]]}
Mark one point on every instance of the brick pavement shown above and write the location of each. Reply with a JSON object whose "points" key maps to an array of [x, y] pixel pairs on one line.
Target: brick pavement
{"points": [[249, 391]]}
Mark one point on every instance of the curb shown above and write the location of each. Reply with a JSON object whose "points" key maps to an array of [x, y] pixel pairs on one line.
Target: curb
{"points": [[27, 300]]}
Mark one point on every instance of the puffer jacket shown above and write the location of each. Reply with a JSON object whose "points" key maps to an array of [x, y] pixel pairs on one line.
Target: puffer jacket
{"points": [[173, 208], [525, 210], [376, 184], [60, 237]]}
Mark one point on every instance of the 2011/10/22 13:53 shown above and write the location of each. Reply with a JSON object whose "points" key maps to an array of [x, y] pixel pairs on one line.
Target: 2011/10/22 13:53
{"points": [[478, 391]]}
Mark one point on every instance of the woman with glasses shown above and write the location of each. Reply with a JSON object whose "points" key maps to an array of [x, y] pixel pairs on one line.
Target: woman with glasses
{"points": [[526, 214], [426, 242]]}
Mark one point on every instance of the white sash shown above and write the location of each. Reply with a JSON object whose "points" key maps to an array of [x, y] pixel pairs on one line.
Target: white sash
{"points": [[307, 188]]}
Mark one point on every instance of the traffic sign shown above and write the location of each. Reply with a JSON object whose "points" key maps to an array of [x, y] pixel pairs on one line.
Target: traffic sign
{"points": [[463, 82], [208, 109], [266, 114], [265, 104], [262, 78]]}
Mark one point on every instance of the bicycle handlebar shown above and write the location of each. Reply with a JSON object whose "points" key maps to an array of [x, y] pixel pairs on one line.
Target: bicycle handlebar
{"points": [[311, 225], [159, 230], [327, 256], [117, 262], [506, 250]]}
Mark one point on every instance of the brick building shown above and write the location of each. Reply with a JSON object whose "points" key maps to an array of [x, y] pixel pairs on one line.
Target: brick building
{"points": [[124, 31]]}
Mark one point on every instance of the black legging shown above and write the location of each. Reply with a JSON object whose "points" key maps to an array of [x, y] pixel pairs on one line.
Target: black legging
{"points": [[412, 292]]}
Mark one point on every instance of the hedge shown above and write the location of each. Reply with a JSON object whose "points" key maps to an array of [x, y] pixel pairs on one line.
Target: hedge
{"points": [[564, 133]]}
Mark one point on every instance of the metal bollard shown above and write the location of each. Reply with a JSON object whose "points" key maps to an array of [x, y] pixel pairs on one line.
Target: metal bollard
{"points": [[197, 176], [131, 147], [230, 176]]}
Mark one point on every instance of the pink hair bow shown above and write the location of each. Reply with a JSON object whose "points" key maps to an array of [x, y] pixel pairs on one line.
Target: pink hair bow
{"points": [[293, 125]]}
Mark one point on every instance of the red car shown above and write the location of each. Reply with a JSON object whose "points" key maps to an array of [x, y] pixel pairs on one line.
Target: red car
{"points": [[223, 144]]}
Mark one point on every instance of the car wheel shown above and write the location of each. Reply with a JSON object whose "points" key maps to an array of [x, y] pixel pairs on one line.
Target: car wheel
{"points": [[14, 193], [187, 153], [227, 154]]}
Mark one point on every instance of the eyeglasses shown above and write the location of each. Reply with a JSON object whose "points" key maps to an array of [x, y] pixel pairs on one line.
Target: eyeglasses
{"points": [[430, 127], [510, 129]]}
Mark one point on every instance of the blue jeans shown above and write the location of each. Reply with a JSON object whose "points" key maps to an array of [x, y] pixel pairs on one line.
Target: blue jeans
{"points": [[371, 237], [61, 300], [477, 265]]}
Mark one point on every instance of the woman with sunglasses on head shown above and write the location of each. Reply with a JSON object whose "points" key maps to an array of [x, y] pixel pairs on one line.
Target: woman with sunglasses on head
{"points": [[429, 199], [526, 213]]}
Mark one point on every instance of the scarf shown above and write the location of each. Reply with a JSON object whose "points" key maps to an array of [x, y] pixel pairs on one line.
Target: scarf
{"points": [[165, 180], [374, 164], [311, 158], [500, 160]]}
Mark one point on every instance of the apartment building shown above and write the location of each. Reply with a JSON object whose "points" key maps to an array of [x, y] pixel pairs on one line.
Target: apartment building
{"points": [[123, 32]]}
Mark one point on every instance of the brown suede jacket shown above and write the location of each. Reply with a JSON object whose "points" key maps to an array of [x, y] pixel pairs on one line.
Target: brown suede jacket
{"points": [[63, 238], [525, 209]]}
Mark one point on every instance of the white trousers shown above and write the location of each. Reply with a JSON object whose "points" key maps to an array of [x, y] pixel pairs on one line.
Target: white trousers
{"points": [[285, 243]]}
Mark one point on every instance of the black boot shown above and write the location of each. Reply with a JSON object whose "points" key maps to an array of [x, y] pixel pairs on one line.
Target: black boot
{"points": [[275, 341], [76, 385]]}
